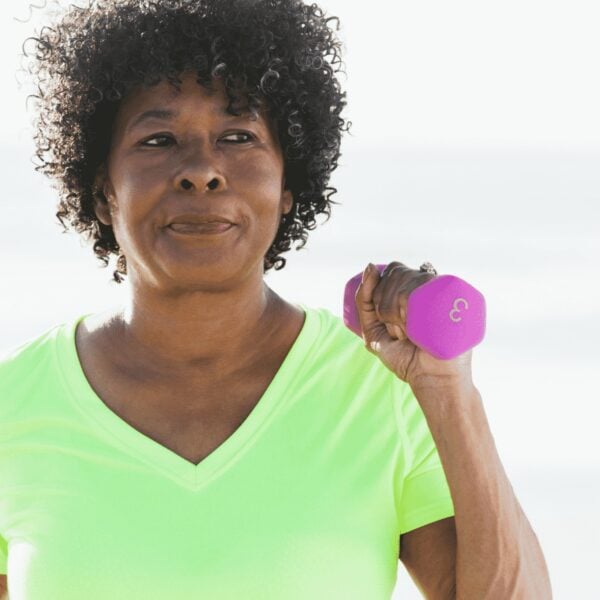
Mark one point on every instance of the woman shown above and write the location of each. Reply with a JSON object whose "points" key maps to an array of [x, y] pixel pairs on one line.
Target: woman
{"points": [[210, 439]]}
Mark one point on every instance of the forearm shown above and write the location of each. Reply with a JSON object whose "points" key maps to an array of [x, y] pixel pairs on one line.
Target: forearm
{"points": [[498, 554]]}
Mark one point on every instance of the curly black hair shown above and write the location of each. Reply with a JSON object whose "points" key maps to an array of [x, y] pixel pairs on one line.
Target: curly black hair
{"points": [[272, 51]]}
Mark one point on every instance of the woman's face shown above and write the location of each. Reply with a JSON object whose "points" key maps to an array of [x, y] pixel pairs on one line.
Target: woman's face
{"points": [[200, 160]]}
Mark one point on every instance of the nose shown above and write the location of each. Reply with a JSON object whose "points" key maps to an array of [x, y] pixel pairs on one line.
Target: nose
{"points": [[200, 170], [186, 184]]}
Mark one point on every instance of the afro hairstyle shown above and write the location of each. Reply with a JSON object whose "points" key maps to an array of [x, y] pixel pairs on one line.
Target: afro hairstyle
{"points": [[278, 52]]}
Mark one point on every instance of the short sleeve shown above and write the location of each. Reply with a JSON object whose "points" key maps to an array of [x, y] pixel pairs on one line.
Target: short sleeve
{"points": [[3, 555], [422, 491]]}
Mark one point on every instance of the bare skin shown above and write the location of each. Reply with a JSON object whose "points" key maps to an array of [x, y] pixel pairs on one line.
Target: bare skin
{"points": [[200, 327], [190, 414]]}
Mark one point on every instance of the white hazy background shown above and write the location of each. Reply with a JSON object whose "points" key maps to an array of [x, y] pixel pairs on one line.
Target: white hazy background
{"points": [[475, 145]]}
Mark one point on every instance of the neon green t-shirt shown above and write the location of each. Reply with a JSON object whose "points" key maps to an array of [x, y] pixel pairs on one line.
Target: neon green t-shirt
{"points": [[306, 499]]}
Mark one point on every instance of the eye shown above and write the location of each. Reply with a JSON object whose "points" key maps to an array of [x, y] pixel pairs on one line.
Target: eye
{"points": [[155, 137], [249, 135], [168, 137]]}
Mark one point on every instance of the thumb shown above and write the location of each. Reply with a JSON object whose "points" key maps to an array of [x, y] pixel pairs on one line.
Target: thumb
{"points": [[367, 314]]}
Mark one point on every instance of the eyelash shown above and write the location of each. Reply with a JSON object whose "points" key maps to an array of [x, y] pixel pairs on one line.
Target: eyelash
{"points": [[143, 142]]}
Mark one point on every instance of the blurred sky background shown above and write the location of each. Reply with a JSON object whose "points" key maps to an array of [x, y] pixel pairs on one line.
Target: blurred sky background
{"points": [[475, 145]]}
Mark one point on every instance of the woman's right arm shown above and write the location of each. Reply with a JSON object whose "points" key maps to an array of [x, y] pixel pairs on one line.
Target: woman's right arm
{"points": [[3, 588]]}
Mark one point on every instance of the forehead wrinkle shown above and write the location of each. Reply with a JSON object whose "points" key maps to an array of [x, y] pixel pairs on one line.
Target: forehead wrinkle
{"points": [[169, 114]]}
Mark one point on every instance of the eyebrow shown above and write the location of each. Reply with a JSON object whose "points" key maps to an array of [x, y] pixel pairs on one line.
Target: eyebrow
{"points": [[167, 114]]}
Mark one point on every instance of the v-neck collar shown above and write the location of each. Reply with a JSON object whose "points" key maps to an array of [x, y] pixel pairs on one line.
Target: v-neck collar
{"points": [[156, 455]]}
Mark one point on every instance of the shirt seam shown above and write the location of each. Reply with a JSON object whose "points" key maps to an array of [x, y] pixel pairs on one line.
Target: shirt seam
{"points": [[407, 452]]}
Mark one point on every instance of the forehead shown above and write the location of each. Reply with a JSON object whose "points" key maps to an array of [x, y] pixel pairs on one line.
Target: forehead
{"points": [[164, 101]]}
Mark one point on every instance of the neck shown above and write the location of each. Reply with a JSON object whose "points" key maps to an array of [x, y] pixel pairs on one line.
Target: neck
{"points": [[170, 339]]}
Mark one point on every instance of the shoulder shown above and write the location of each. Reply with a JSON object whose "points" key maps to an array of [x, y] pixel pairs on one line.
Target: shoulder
{"points": [[24, 365], [22, 354]]}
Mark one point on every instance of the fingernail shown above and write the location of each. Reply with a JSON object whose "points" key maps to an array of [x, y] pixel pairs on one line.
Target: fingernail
{"points": [[365, 273], [368, 271]]}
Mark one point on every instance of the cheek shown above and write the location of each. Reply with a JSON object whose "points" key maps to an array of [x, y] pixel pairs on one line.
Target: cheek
{"points": [[137, 189], [131, 185], [261, 176], [138, 182]]}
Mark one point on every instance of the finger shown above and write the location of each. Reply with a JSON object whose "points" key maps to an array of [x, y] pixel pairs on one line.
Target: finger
{"points": [[385, 296], [396, 331], [367, 314]]}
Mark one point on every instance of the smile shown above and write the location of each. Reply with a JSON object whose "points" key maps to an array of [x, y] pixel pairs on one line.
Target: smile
{"points": [[200, 228]]}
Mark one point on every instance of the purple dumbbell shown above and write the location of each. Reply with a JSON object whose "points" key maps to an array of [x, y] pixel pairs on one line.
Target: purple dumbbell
{"points": [[445, 316]]}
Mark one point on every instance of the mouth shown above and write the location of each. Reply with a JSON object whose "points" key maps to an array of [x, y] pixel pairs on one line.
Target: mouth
{"points": [[200, 228]]}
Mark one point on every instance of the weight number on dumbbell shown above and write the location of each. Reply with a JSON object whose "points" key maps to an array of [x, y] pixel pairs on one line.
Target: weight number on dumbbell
{"points": [[457, 310]]}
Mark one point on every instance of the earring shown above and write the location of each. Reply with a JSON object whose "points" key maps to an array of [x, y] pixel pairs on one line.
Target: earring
{"points": [[122, 264]]}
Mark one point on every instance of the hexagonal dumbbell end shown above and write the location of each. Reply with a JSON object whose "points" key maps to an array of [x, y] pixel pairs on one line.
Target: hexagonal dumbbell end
{"points": [[445, 316]]}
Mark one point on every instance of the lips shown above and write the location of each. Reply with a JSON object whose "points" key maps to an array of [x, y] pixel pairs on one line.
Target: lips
{"points": [[196, 228], [200, 218]]}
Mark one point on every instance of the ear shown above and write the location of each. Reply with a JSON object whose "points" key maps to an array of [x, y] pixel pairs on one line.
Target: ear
{"points": [[287, 200], [101, 204]]}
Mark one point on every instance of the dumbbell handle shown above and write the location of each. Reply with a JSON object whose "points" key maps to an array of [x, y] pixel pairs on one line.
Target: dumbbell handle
{"points": [[445, 316]]}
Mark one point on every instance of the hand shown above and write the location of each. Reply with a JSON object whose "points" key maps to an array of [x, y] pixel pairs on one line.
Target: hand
{"points": [[381, 301]]}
